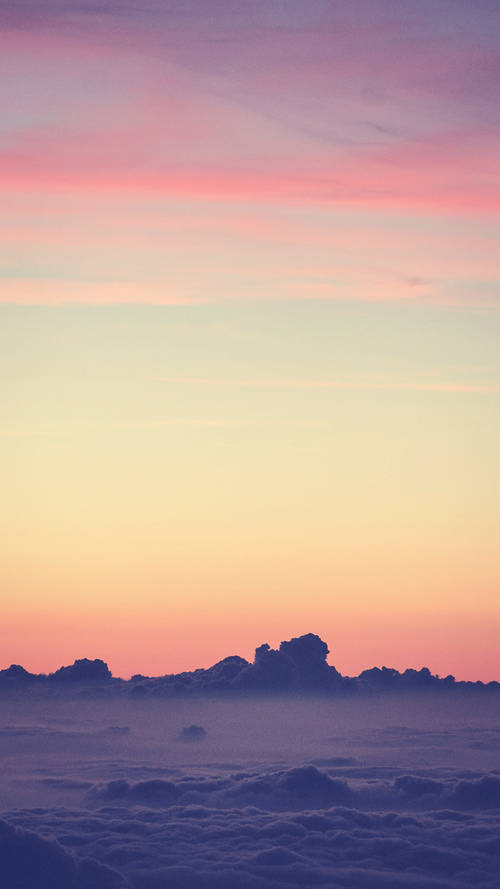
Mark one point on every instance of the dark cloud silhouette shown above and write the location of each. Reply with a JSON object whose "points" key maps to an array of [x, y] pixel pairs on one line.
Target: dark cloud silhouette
{"points": [[15, 674], [307, 788], [192, 733], [483, 793], [414, 787], [299, 665], [28, 861], [338, 761], [156, 792], [83, 670]]}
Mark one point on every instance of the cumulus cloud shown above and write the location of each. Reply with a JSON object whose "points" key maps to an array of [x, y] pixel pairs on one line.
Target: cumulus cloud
{"points": [[192, 845], [483, 793], [306, 788], [298, 665], [192, 733], [15, 673], [29, 861], [83, 670]]}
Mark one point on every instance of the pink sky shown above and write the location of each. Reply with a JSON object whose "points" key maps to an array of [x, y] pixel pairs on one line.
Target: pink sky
{"points": [[249, 284]]}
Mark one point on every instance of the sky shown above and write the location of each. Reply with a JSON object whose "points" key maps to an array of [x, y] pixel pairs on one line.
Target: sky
{"points": [[249, 303]]}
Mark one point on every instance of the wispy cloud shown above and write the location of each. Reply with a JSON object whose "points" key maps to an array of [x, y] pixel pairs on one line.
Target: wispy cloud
{"points": [[69, 428], [375, 385], [56, 292], [347, 109]]}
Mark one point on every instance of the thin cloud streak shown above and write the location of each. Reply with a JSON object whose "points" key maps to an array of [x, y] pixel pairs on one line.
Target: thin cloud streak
{"points": [[65, 429], [472, 388], [56, 292]]}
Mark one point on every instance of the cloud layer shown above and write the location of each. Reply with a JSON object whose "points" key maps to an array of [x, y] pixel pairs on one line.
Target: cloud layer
{"points": [[299, 665], [295, 828], [360, 792]]}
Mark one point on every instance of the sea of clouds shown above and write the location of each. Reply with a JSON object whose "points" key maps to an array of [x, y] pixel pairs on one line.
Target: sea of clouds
{"points": [[270, 792]]}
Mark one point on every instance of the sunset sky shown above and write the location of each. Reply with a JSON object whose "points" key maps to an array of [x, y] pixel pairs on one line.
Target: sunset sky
{"points": [[250, 331]]}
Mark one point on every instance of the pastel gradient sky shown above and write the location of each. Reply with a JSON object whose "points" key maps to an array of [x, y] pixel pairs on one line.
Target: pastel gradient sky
{"points": [[250, 331]]}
